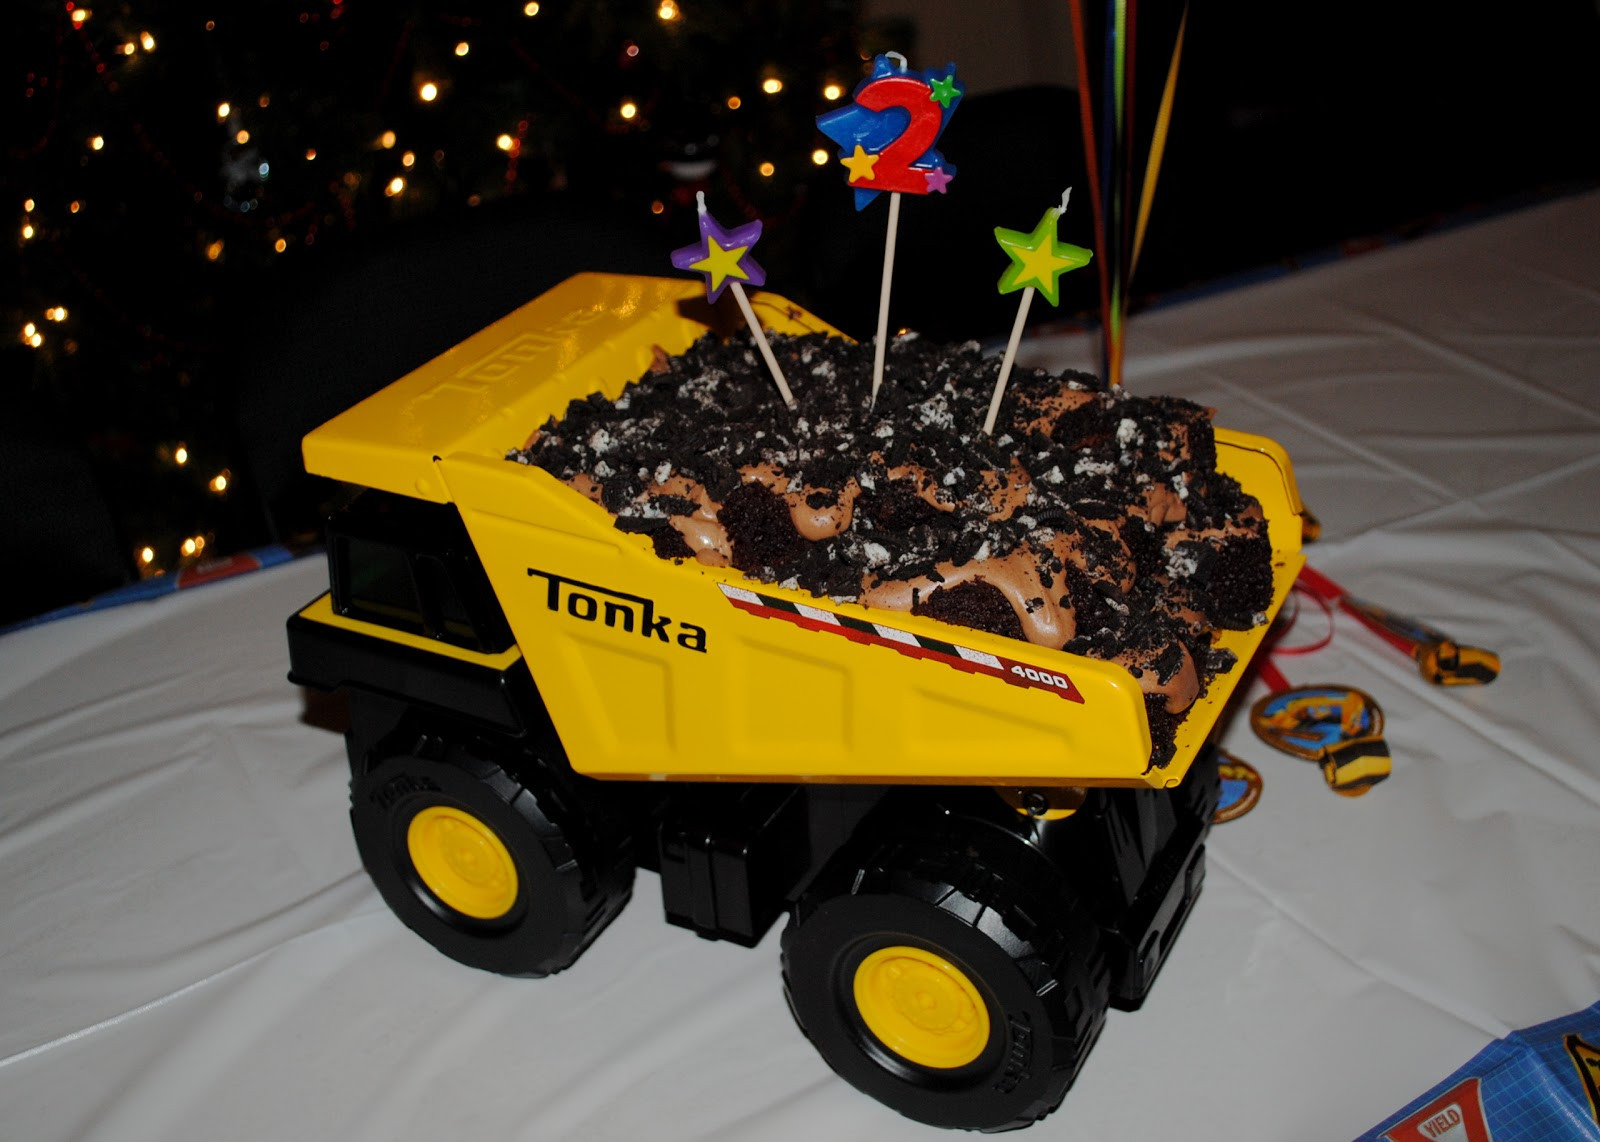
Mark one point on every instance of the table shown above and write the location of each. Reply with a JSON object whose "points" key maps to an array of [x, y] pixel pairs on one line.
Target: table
{"points": [[189, 948]]}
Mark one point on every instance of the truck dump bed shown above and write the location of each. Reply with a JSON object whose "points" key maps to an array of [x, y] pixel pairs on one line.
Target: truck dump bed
{"points": [[659, 670]]}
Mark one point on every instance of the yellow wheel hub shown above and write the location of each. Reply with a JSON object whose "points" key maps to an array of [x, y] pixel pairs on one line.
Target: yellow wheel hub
{"points": [[462, 862], [922, 1007]]}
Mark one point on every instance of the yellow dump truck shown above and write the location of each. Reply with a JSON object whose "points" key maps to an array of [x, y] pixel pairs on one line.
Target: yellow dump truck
{"points": [[976, 856]]}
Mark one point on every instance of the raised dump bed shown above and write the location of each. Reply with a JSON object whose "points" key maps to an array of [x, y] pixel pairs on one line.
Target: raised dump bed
{"points": [[652, 669]]}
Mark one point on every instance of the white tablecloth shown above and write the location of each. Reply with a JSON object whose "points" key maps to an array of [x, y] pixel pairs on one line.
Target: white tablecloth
{"points": [[190, 950]]}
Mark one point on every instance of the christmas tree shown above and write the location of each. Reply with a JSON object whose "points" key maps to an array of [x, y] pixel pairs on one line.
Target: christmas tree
{"points": [[166, 161]]}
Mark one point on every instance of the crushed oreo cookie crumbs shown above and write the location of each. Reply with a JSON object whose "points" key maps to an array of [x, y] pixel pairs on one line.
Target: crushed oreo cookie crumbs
{"points": [[1167, 549]]}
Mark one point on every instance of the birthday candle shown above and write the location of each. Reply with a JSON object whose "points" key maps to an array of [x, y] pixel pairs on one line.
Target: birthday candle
{"points": [[886, 138], [886, 135], [1038, 259], [723, 256]]}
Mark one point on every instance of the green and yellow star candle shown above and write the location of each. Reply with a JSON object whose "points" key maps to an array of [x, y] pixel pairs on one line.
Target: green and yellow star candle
{"points": [[1038, 259]]}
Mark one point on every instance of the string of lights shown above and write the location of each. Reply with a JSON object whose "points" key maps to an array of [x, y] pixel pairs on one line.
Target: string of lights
{"points": [[158, 142]]}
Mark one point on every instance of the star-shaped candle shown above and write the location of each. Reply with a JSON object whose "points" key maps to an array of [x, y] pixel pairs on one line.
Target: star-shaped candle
{"points": [[723, 256], [886, 138], [1038, 259]]}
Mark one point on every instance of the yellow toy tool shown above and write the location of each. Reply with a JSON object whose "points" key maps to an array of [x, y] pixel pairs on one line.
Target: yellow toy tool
{"points": [[1441, 659]]}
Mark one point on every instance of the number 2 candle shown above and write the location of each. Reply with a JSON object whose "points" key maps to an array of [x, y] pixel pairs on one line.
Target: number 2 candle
{"points": [[886, 138]]}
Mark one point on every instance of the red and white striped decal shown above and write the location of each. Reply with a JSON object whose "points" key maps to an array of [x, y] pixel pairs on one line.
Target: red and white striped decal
{"points": [[964, 658]]}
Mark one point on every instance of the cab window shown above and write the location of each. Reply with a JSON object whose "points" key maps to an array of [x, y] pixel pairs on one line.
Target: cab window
{"points": [[409, 566], [379, 586]]}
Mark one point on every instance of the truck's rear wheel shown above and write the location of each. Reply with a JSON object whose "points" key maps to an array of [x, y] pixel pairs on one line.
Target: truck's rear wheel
{"points": [[512, 873], [947, 979]]}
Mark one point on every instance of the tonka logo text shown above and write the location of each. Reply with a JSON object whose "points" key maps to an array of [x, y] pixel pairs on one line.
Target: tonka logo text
{"points": [[622, 612]]}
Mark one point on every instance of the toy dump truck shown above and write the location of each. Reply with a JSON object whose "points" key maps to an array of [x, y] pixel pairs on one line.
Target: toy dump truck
{"points": [[974, 852]]}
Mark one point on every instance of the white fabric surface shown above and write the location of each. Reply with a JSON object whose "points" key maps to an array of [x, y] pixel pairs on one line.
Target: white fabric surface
{"points": [[190, 950]]}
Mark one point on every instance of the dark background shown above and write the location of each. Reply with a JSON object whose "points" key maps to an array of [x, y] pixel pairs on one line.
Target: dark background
{"points": [[224, 294]]}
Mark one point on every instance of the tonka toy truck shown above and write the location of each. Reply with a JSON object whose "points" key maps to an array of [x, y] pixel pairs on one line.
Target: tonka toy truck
{"points": [[975, 855]]}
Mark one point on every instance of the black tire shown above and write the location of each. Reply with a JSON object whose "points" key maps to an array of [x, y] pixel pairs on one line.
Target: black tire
{"points": [[559, 868], [986, 905]]}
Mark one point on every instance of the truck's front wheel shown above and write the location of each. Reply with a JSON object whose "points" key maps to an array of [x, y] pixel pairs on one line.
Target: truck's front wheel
{"points": [[947, 981], [514, 873]]}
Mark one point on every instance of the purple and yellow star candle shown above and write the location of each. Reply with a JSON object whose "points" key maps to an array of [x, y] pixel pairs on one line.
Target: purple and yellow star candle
{"points": [[886, 135], [723, 256]]}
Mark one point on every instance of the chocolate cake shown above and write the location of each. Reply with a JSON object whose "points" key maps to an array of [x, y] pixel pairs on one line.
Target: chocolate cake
{"points": [[1092, 521]]}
